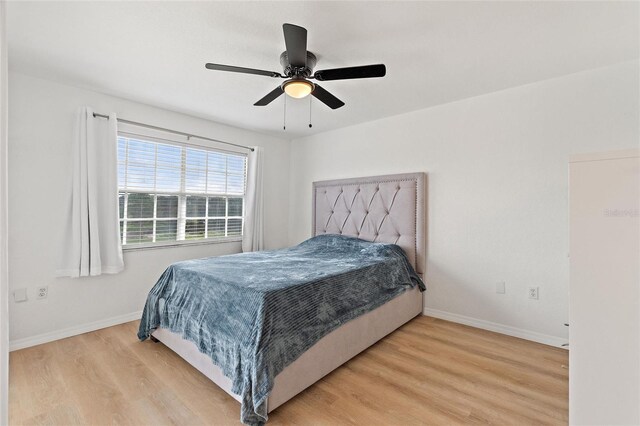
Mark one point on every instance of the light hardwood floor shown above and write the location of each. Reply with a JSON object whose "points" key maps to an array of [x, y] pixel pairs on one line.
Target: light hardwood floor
{"points": [[428, 372]]}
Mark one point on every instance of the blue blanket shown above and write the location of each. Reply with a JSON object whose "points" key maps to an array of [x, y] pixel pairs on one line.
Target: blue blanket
{"points": [[255, 313]]}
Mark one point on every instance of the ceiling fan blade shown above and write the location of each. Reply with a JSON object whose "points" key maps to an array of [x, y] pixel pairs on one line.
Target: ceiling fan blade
{"points": [[295, 38], [327, 98], [364, 71], [270, 97], [230, 68]]}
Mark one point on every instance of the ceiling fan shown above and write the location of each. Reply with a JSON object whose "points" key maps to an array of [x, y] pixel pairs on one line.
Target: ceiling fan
{"points": [[298, 63]]}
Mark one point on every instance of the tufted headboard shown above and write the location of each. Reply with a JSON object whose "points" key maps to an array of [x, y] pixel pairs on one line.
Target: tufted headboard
{"points": [[388, 209]]}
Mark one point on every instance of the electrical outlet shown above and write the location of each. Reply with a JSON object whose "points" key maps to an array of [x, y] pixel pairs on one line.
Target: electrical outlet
{"points": [[533, 293], [42, 292], [500, 287]]}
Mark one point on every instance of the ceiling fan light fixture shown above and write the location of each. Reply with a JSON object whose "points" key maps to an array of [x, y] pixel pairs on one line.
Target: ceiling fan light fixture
{"points": [[297, 88]]}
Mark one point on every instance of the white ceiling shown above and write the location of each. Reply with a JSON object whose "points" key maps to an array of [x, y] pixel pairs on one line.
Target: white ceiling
{"points": [[435, 52]]}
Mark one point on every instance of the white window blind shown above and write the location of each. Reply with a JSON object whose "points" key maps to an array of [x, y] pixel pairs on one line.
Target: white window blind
{"points": [[172, 193]]}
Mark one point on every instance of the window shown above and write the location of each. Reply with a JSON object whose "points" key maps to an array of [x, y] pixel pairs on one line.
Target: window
{"points": [[171, 193]]}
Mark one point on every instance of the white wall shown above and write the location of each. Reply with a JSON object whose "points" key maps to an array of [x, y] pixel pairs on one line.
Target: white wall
{"points": [[497, 167], [497, 184], [41, 119]]}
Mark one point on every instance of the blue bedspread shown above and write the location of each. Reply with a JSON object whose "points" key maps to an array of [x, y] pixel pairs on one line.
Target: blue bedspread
{"points": [[255, 313]]}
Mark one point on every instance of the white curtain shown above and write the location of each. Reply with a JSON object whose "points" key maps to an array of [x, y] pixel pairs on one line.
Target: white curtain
{"points": [[253, 236], [4, 228], [92, 245]]}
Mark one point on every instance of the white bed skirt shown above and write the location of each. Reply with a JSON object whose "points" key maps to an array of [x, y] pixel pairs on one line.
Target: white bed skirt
{"points": [[326, 355]]}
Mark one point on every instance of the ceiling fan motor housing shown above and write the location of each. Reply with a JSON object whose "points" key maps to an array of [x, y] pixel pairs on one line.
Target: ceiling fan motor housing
{"points": [[291, 71]]}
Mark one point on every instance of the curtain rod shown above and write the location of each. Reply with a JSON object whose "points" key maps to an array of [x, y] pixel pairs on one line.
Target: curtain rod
{"points": [[162, 129]]}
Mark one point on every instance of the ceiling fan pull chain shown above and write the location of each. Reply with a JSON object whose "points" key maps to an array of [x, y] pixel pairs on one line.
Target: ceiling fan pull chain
{"points": [[310, 125], [284, 116]]}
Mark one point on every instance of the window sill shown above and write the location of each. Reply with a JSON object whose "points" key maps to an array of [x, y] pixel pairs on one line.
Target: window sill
{"points": [[173, 244]]}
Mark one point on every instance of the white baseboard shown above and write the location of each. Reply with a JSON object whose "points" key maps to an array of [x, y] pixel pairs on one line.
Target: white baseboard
{"points": [[39, 339], [461, 319], [498, 328]]}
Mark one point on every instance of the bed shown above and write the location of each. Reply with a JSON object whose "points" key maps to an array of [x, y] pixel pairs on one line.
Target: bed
{"points": [[347, 215]]}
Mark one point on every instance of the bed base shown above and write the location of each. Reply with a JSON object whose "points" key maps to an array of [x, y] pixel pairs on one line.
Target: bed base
{"points": [[326, 355]]}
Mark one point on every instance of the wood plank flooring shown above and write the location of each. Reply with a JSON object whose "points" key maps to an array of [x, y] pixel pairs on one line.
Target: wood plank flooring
{"points": [[429, 372]]}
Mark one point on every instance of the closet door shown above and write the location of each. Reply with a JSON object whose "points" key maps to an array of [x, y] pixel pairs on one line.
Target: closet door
{"points": [[604, 368]]}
